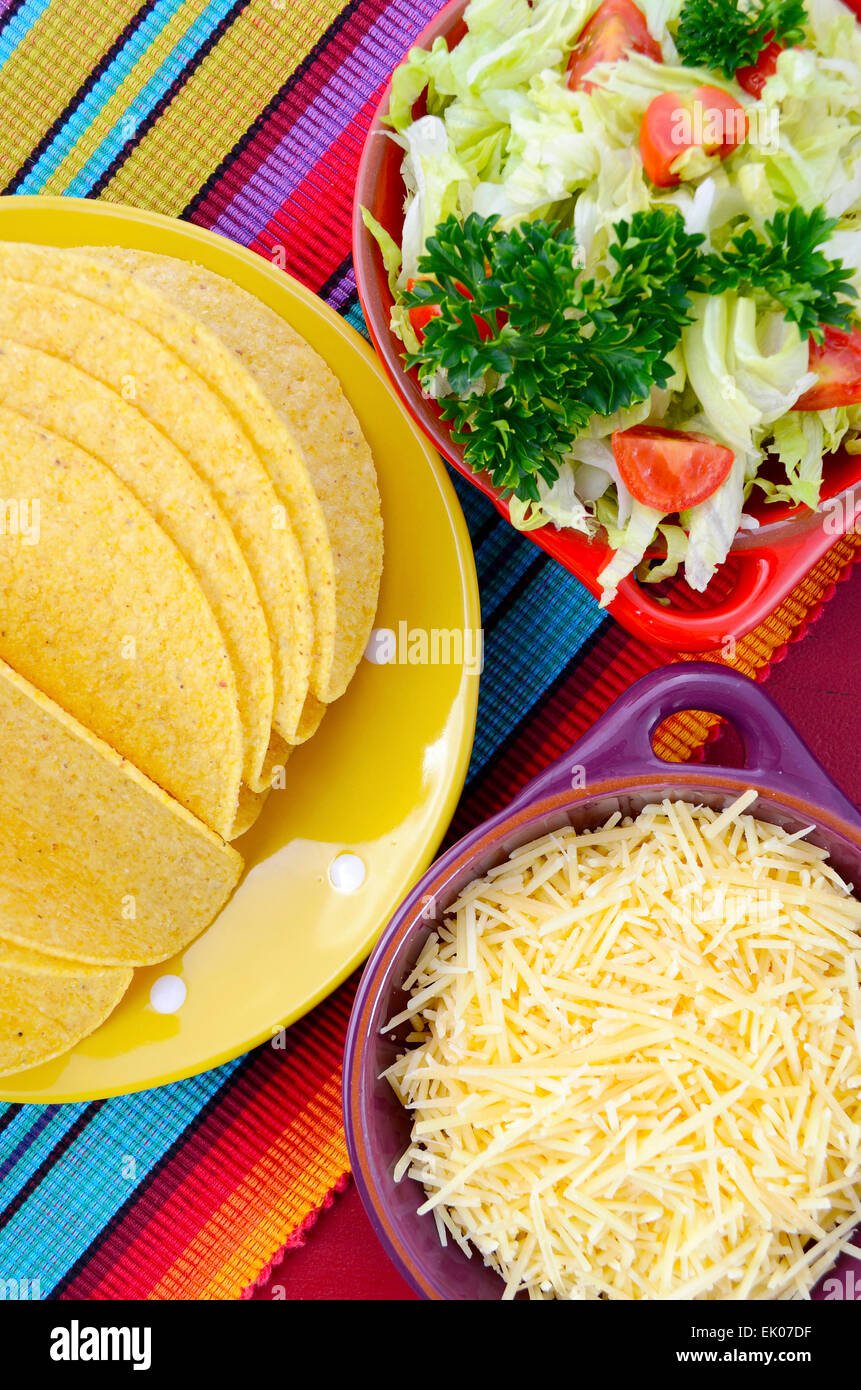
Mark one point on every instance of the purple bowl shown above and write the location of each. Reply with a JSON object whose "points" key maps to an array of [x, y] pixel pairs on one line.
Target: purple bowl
{"points": [[618, 770]]}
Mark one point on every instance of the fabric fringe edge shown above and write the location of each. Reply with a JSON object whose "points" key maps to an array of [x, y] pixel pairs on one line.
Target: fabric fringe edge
{"points": [[297, 1237]]}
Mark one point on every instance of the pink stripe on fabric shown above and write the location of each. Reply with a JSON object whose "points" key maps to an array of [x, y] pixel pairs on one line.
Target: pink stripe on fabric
{"points": [[320, 108], [324, 199]]}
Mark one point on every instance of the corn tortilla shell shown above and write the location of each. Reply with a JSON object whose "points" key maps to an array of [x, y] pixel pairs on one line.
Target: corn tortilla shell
{"points": [[47, 1006], [204, 352], [56, 395], [310, 400], [249, 808], [103, 615], [123, 356], [97, 863], [312, 718]]}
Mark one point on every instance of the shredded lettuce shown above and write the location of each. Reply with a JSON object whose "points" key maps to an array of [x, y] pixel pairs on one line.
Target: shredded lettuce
{"points": [[551, 149], [411, 80], [707, 349], [768, 359], [712, 526], [389, 249], [558, 503], [747, 368], [811, 108], [391, 254], [676, 541], [434, 176], [800, 439], [630, 545]]}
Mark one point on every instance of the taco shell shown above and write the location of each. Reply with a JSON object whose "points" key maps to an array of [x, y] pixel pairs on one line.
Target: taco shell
{"points": [[97, 863], [47, 1006], [310, 400], [235, 390]]}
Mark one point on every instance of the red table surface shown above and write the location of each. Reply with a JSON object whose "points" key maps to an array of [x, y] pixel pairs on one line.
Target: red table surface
{"points": [[817, 685]]}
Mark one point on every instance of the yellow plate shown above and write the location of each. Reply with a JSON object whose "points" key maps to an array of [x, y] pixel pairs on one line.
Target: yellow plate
{"points": [[381, 778]]}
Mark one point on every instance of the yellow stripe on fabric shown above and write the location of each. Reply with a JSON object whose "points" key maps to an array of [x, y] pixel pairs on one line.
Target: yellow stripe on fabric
{"points": [[221, 99], [268, 1241], [119, 102], [754, 652], [48, 67], [260, 1215]]}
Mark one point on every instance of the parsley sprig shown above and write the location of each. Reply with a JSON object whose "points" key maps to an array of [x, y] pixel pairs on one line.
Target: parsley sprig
{"points": [[726, 36], [786, 264], [539, 347]]}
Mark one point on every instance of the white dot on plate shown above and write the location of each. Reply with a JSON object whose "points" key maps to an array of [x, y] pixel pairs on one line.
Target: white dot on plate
{"points": [[382, 646], [168, 994], [346, 873]]}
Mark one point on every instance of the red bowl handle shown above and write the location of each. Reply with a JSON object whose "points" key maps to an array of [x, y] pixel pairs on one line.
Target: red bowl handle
{"points": [[753, 597], [766, 573]]}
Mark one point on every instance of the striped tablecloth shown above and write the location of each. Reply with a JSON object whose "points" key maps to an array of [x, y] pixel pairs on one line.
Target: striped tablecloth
{"points": [[248, 118]]}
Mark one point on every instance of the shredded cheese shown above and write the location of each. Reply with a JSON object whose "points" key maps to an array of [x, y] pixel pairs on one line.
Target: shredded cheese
{"points": [[635, 1068]]}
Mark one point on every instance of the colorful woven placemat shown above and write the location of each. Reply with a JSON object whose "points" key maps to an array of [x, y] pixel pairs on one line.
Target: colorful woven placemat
{"points": [[248, 118]]}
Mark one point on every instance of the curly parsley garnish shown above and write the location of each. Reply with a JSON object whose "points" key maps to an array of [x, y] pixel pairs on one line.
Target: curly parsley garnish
{"points": [[786, 264], [535, 348], [726, 36]]}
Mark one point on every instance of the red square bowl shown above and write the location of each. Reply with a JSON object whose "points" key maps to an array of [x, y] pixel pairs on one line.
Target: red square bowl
{"points": [[765, 565]]}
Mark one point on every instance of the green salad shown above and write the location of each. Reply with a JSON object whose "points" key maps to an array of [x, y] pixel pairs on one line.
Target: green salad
{"points": [[630, 260]]}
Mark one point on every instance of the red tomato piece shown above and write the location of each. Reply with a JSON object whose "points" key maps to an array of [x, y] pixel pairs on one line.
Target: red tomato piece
{"points": [[707, 117], [754, 78], [668, 469], [421, 314], [658, 144], [837, 363], [616, 29]]}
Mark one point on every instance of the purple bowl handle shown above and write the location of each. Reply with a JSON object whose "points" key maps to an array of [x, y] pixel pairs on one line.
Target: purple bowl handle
{"points": [[620, 742]]}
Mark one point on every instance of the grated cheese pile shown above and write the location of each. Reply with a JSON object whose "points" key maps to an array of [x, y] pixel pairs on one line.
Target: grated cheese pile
{"points": [[635, 1068]]}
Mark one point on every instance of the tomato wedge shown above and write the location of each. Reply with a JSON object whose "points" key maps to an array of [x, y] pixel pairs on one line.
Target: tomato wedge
{"points": [[837, 363], [707, 117], [668, 469], [754, 78], [616, 29], [421, 314]]}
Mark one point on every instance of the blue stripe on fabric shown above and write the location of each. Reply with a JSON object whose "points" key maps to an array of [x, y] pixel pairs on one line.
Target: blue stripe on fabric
{"points": [[109, 82], [19, 26], [119, 1149], [356, 319], [527, 650], [23, 1147], [38, 1129], [501, 559]]}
